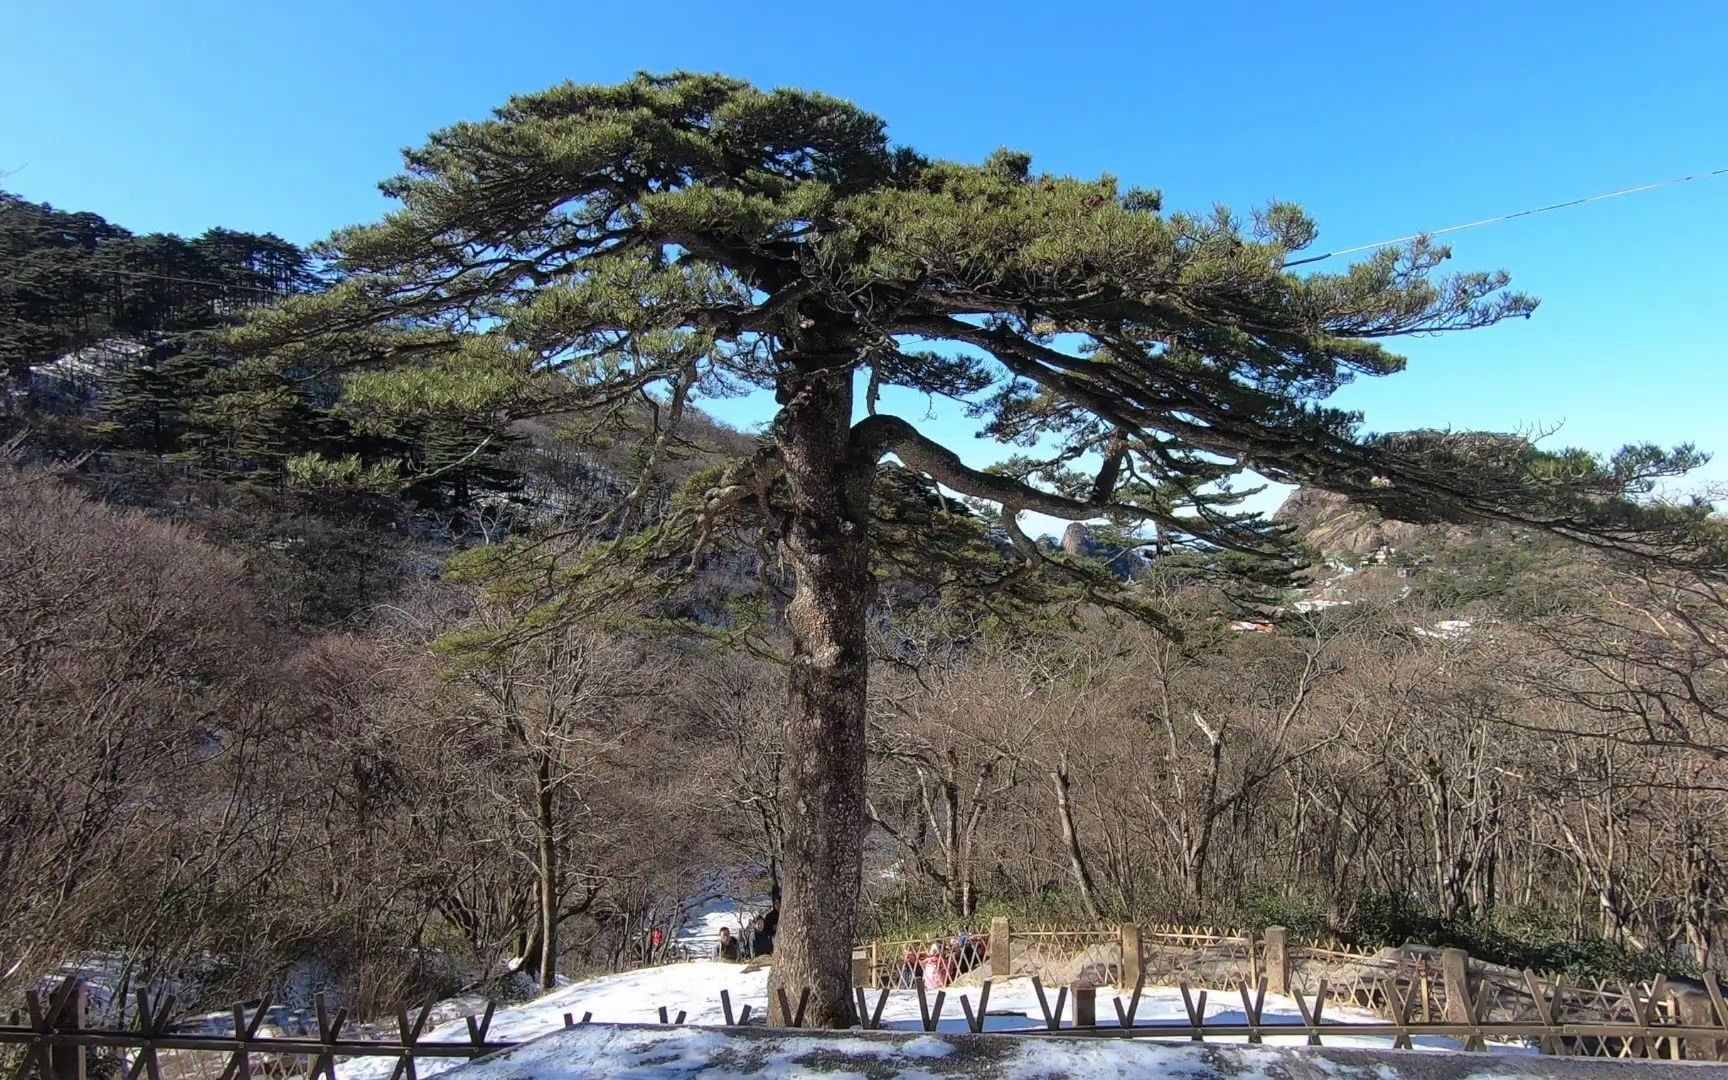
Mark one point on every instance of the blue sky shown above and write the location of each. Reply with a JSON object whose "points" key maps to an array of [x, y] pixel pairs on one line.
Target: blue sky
{"points": [[1381, 119]]}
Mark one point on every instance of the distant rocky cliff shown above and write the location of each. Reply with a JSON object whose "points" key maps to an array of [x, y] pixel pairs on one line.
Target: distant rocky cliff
{"points": [[1341, 529], [1079, 541]]}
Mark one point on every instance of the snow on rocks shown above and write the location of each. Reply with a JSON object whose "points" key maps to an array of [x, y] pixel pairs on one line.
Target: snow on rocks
{"points": [[1253, 626]]}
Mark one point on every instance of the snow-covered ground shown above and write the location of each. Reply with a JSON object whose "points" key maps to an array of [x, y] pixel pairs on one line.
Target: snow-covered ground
{"points": [[693, 988], [636, 1053]]}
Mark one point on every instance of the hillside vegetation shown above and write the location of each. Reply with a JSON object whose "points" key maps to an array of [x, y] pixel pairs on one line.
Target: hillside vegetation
{"points": [[248, 743]]}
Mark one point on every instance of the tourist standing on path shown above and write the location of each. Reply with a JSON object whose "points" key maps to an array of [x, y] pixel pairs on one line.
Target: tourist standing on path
{"points": [[727, 949]]}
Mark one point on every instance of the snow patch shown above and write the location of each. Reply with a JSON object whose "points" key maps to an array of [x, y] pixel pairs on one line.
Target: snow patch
{"points": [[1446, 630], [693, 1054], [635, 997]]}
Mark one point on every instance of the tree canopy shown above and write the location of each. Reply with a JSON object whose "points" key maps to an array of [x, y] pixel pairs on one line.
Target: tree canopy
{"points": [[691, 232]]}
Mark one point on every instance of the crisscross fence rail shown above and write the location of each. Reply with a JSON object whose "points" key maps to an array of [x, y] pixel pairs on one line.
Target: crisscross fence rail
{"points": [[900, 964], [55, 1042], [1089, 953], [1224, 959], [1434, 985]]}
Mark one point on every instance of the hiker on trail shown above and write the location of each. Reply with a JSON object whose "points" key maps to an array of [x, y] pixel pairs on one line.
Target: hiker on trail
{"points": [[728, 948], [656, 940], [761, 942], [771, 925], [938, 969], [968, 951]]}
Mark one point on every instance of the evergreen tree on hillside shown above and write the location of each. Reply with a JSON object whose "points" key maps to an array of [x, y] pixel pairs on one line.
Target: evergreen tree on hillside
{"points": [[145, 404], [462, 463], [72, 280], [244, 426], [53, 297], [693, 234], [250, 265]]}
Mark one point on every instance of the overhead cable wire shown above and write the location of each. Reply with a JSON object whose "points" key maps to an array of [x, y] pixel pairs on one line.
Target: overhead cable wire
{"points": [[1508, 217]]}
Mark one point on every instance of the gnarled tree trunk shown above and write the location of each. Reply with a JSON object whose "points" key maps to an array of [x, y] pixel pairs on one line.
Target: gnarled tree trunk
{"points": [[826, 544]]}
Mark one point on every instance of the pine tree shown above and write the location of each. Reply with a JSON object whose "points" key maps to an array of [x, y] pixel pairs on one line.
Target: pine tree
{"points": [[53, 296], [144, 405], [71, 280], [461, 463], [245, 422], [588, 244]]}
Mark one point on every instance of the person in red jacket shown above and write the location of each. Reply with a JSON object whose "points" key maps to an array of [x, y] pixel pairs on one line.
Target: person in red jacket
{"points": [[937, 966]]}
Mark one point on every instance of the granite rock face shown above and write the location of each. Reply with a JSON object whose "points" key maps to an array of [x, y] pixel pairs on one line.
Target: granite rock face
{"points": [[1339, 528]]}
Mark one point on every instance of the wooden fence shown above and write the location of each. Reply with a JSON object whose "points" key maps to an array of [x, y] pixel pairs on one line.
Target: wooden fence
{"points": [[55, 1042], [1653, 1034], [1411, 984]]}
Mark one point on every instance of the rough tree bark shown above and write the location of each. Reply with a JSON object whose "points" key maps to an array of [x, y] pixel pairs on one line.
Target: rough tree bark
{"points": [[826, 545]]}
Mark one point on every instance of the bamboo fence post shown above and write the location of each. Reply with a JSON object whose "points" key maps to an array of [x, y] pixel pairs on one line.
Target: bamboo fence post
{"points": [[1455, 973], [1129, 935]]}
